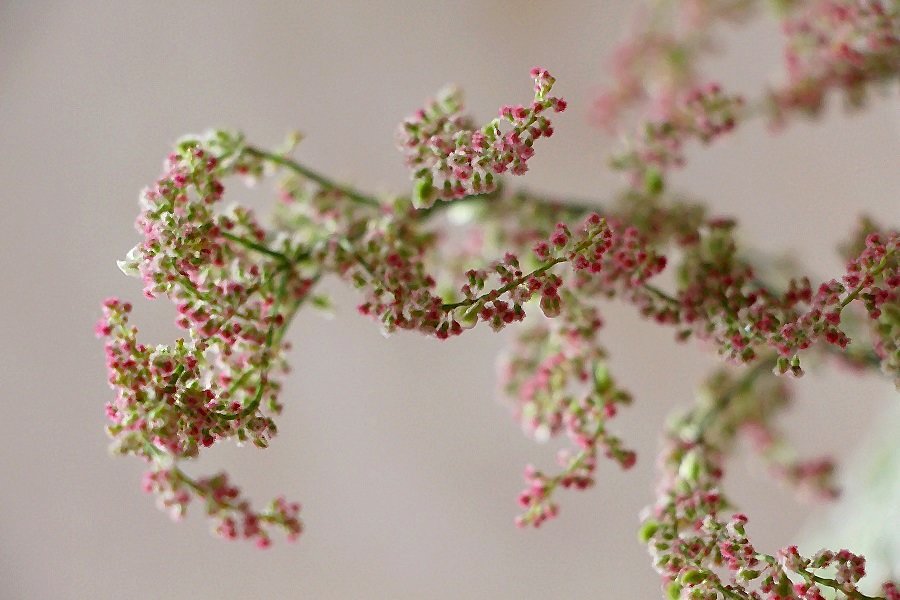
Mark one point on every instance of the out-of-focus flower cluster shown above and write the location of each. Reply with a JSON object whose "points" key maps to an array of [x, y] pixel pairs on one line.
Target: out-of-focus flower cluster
{"points": [[704, 114], [841, 45], [699, 544], [657, 64], [232, 515]]}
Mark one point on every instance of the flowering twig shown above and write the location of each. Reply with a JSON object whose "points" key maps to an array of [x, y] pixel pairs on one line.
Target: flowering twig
{"points": [[237, 286]]}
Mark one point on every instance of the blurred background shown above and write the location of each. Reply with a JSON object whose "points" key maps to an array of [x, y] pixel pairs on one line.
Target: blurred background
{"points": [[407, 465]]}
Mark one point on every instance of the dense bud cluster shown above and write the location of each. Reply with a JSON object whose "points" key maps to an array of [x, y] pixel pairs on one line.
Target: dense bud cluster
{"points": [[450, 158], [221, 381]]}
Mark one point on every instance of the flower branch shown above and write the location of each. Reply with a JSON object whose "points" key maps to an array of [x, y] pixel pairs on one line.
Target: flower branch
{"points": [[237, 285]]}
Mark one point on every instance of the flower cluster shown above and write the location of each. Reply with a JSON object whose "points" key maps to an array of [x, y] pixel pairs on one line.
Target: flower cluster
{"points": [[388, 263], [719, 298], [162, 403], [837, 44], [699, 546], [163, 412], [235, 297], [232, 515], [723, 300], [873, 277], [704, 113], [628, 265], [557, 380], [450, 158]]}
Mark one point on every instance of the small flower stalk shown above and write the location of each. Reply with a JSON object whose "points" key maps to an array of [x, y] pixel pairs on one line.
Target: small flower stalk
{"points": [[450, 158]]}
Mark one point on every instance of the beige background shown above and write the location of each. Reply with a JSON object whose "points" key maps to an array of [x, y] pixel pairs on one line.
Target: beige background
{"points": [[407, 466]]}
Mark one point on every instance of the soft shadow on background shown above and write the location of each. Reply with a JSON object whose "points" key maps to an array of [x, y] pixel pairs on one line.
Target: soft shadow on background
{"points": [[407, 465]]}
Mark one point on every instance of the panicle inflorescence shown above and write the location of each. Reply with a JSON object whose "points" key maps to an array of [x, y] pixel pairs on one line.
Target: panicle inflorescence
{"points": [[558, 381], [236, 287], [387, 263], [450, 158], [221, 381]]}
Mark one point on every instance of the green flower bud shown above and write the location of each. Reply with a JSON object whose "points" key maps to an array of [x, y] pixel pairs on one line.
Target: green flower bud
{"points": [[423, 192], [648, 528], [673, 592], [693, 577]]}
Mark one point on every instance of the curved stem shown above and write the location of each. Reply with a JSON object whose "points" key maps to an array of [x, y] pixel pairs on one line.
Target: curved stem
{"points": [[833, 584], [304, 171], [251, 245], [496, 293], [502, 290], [661, 294], [873, 273]]}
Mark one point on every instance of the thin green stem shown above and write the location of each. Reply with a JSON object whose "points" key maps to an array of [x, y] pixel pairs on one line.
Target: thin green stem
{"points": [[190, 481], [423, 214], [833, 584], [179, 371], [346, 247], [661, 294], [292, 310], [495, 293], [723, 399], [874, 273], [304, 171], [250, 244], [728, 593], [811, 577]]}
